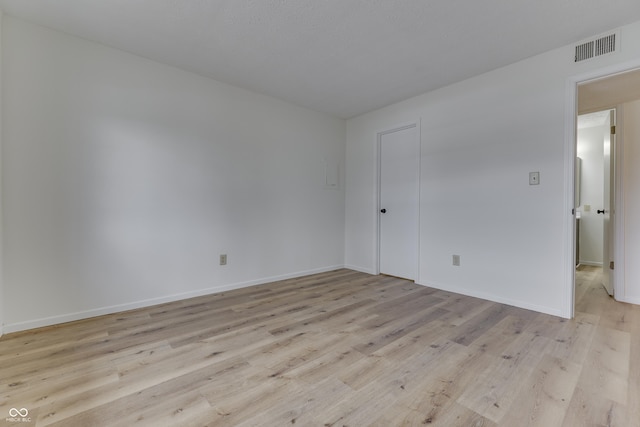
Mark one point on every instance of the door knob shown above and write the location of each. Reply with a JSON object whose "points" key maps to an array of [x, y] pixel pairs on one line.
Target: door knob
{"points": [[383, 210], [600, 211]]}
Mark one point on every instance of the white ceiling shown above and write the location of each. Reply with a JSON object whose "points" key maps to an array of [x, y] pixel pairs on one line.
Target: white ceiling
{"points": [[342, 57]]}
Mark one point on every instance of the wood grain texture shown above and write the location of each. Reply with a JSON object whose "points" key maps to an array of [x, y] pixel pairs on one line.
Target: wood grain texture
{"points": [[334, 349]]}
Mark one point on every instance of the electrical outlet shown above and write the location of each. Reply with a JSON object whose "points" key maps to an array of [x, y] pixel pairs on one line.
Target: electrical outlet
{"points": [[456, 260], [534, 178], [223, 259]]}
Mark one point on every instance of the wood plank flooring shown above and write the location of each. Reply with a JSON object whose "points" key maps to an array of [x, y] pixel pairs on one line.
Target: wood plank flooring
{"points": [[335, 349]]}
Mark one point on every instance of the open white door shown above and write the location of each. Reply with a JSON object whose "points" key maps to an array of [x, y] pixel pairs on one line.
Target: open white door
{"points": [[399, 176], [609, 208]]}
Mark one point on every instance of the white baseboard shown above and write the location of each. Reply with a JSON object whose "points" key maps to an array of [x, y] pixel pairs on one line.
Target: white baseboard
{"points": [[629, 300], [496, 298], [591, 263], [70, 317], [360, 269]]}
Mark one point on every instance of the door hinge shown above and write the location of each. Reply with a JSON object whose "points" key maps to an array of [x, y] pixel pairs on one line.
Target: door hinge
{"points": [[611, 265], [613, 130]]}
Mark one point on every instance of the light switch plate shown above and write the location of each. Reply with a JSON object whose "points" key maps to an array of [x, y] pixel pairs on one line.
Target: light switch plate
{"points": [[534, 178]]}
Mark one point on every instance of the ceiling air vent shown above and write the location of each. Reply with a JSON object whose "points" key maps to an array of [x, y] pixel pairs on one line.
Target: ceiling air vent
{"points": [[596, 47]]}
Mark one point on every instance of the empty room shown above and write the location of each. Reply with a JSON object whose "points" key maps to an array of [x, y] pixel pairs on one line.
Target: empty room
{"points": [[319, 213]]}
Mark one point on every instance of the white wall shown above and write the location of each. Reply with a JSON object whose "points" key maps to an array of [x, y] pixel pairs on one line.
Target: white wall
{"points": [[591, 151], [631, 189], [480, 139], [124, 180], [2, 300]]}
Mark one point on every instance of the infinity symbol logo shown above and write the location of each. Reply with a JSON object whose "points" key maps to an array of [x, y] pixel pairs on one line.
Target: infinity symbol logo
{"points": [[23, 412]]}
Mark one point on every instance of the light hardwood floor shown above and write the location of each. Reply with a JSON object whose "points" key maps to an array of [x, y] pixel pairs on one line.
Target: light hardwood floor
{"points": [[334, 349]]}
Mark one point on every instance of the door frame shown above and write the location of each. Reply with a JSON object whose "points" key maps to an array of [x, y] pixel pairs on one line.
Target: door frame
{"points": [[378, 177], [570, 152], [609, 223]]}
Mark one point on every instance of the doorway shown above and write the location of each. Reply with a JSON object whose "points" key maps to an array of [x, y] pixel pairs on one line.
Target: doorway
{"points": [[602, 90], [595, 192], [398, 194]]}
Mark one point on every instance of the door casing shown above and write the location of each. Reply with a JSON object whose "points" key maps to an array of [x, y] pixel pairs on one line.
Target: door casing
{"points": [[571, 114]]}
